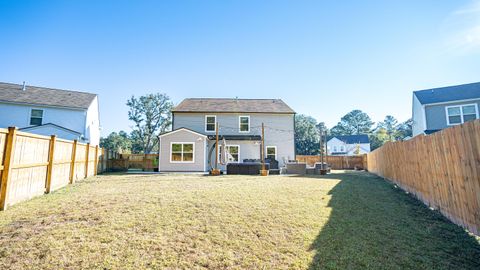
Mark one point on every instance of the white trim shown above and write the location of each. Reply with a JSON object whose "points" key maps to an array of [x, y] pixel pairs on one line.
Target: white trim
{"points": [[266, 151], [182, 162], [159, 154], [30, 118], [449, 102], [424, 114], [215, 123], [461, 112], [240, 124], [180, 129], [205, 145]]}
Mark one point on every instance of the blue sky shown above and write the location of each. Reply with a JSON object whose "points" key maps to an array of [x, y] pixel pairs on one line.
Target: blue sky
{"points": [[324, 58]]}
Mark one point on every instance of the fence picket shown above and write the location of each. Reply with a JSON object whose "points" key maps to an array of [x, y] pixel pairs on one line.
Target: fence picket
{"points": [[441, 169]]}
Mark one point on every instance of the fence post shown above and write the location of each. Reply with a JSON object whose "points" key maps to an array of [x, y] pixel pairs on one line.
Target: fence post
{"points": [[72, 164], [51, 154], [7, 165], [95, 169], [87, 158]]}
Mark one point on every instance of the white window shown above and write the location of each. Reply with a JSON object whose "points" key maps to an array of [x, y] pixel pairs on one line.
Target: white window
{"points": [[334, 149], [342, 148], [36, 117], [210, 123], [271, 152], [232, 153], [461, 114], [182, 152], [244, 123]]}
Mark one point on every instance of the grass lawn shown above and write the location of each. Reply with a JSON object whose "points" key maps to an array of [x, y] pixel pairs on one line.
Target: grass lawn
{"points": [[346, 220]]}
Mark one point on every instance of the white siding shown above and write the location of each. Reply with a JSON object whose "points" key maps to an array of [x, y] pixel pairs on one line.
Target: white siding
{"points": [[418, 117], [92, 123]]}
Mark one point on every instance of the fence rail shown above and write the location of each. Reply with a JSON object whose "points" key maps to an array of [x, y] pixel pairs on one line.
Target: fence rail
{"points": [[442, 170], [32, 165], [337, 162]]}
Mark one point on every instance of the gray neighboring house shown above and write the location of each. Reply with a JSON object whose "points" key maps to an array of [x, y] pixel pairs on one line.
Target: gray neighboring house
{"points": [[439, 108], [190, 146]]}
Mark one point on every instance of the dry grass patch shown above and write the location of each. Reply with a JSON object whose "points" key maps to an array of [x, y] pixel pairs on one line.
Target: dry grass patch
{"points": [[187, 221]]}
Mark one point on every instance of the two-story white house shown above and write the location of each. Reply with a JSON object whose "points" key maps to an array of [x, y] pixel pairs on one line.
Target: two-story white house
{"points": [[348, 145], [439, 108], [190, 146], [70, 115]]}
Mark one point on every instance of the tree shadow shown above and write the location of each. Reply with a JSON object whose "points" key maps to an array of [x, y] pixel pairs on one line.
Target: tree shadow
{"points": [[375, 225]]}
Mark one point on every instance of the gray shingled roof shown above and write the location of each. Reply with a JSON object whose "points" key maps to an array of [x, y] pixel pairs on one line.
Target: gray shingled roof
{"points": [[233, 105], [13, 93], [450, 93], [351, 139]]}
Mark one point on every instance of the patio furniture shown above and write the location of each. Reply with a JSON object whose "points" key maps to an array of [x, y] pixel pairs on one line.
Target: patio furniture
{"points": [[245, 168], [297, 168]]}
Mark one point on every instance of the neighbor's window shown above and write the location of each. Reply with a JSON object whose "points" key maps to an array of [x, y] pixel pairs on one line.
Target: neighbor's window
{"points": [[342, 149], [210, 122], [335, 149], [244, 123], [36, 117], [181, 152], [232, 153], [272, 152], [461, 114]]}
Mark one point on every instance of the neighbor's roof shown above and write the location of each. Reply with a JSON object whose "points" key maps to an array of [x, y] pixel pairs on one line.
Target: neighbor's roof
{"points": [[33, 95], [351, 139], [450, 93], [233, 105]]}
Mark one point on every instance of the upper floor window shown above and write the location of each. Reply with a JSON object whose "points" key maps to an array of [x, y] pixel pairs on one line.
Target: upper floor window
{"points": [[210, 123], [334, 149], [461, 114], [36, 117], [342, 148], [244, 122]]}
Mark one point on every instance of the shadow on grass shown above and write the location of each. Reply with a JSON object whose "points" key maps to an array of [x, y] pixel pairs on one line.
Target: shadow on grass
{"points": [[374, 225]]}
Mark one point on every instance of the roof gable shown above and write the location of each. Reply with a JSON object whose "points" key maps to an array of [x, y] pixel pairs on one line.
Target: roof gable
{"points": [[351, 139], [449, 93], [168, 133], [33, 95], [233, 105]]}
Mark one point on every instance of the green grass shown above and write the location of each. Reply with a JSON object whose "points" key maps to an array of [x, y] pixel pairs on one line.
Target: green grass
{"points": [[346, 220]]}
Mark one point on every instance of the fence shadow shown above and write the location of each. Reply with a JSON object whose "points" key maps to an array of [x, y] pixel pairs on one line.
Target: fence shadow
{"points": [[374, 225]]}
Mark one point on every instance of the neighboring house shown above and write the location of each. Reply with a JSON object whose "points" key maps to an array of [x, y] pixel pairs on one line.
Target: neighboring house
{"points": [[439, 108], [68, 114], [190, 146], [349, 145]]}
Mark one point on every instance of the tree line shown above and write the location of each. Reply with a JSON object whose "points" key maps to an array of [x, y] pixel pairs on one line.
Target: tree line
{"points": [[151, 116], [356, 122]]}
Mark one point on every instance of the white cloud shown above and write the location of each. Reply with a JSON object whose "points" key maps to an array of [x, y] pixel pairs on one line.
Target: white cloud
{"points": [[463, 28]]}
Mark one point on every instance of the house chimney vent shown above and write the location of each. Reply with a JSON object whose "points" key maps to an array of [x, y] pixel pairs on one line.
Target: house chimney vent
{"points": [[24, 87]]}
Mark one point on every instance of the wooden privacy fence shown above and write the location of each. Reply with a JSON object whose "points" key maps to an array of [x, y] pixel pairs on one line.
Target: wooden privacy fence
{"points": [[123, 162], [442, 170], [31, 165], [337, 162]]}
